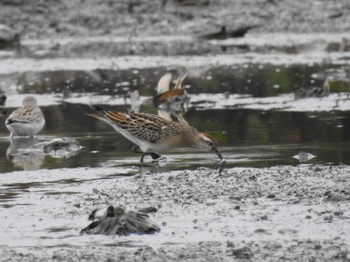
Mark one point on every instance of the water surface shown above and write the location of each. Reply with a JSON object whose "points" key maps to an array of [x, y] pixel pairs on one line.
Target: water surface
{"points": [[246, 137]]}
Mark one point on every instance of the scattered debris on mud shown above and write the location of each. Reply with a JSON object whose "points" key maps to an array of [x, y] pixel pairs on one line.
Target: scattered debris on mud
{"points": [[276, 213]]}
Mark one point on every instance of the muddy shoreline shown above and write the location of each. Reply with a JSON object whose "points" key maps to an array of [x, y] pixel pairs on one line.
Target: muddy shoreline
{"points": [[272, 214], [42, 20]]}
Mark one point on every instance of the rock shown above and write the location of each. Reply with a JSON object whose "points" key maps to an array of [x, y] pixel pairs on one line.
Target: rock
{"points": [[242, 253], [11, 2], [335, 197], [304, 157], [147, 210], [59, 147], [225, 33], [68, 144], [8, 35]]}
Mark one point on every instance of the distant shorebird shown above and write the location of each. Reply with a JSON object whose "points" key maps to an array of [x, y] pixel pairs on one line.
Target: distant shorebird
{"points": [[313, 91], [167, 95], [27, 120], [171, 102], [153, 134]]}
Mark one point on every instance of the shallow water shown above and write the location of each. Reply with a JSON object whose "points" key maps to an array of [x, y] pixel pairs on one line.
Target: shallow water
{"points": [[246, 137]]}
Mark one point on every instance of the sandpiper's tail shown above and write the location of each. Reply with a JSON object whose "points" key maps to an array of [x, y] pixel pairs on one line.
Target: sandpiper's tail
{"points": [[107, 115], [100, 112]]}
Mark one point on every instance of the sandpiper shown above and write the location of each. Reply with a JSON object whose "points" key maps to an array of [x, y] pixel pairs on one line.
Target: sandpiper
{"points": [[27, 120], [153, 134], [167, 95], [171, 102]]}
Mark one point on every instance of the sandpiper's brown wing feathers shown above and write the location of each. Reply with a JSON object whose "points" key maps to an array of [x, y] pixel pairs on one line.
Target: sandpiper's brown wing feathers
{"points": [[143, 126], [24, 115], [168, 95], [137, 124]]}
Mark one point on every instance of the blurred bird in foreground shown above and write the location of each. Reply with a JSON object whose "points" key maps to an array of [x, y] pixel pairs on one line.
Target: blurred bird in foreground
{"points": [[153, 134], [27, 120], [116, 221]]}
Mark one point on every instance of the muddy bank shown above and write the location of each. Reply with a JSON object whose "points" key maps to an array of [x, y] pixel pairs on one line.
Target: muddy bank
{"points": [[40, 19], [283, 212]]}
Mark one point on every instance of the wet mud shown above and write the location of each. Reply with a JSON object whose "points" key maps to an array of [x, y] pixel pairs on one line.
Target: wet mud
{"points": [[278, 213], [40, 19]]}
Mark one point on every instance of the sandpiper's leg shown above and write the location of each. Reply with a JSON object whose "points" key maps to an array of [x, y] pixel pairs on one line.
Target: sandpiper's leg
{"points": [[222, 165], [154, 156], [143, 155], [136, 149]]}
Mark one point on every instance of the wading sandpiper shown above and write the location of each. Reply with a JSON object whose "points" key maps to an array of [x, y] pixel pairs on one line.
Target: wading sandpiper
{"points": [[153, 134]]}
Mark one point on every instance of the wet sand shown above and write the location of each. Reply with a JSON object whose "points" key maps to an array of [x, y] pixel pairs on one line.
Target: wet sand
{"points": [[272, 214], [40, 19]]}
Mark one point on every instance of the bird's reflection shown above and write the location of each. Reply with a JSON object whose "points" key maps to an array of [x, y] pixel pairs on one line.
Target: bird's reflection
{"points": [[18, 152]]}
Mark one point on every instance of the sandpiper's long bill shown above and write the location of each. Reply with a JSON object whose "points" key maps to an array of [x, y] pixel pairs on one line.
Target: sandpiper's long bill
{"points": [[27, 120], [153, 134]]}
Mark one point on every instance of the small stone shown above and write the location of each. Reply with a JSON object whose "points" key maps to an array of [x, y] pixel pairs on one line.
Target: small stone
{"points": [[328, 218], [318, 246], [271, 196], [338, 213], [242, 253], [265, 217], [7, 34]]}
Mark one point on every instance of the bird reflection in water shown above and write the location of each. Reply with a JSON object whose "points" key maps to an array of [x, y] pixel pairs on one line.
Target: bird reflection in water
{"points": [[18, 152]]}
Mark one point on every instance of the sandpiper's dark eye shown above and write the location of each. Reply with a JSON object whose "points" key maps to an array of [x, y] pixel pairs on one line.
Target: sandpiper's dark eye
{"points": [[209, 143]]}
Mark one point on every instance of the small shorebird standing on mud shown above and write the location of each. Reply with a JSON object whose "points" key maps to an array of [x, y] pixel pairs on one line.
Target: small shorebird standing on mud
{"points": [[27, 120], [153, 134]]}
